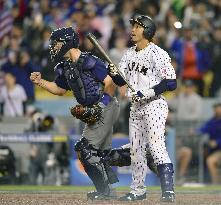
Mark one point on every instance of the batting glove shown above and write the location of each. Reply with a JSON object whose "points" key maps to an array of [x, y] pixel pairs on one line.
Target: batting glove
{"points": [[112, 70], [140, 96]]}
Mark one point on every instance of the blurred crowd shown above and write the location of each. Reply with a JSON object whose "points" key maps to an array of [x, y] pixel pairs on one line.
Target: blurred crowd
{"points": [[189, 30]]}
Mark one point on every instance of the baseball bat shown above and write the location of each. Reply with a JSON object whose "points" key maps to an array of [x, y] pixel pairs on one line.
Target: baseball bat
{"points": [[95, 42]]}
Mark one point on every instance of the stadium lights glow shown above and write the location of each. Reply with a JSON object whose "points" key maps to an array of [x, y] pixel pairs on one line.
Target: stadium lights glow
{"points": [[177, 24]]}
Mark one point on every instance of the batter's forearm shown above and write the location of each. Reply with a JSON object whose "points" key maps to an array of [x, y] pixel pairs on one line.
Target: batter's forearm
{"points": [[51, 87], [163, 86]]}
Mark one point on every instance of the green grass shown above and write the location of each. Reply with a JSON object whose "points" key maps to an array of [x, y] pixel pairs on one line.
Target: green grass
{"points": [[88, 188]]}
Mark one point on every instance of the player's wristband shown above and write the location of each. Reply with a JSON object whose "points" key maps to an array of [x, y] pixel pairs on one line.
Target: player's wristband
{"points": [[106, 99], [165, 85], [118, 80]]}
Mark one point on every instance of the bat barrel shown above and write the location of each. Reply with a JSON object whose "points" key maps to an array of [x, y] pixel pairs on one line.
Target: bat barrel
{"points": [[94, 41]]}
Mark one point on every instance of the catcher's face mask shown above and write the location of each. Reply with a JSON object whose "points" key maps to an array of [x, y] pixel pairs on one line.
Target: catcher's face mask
{"points": [[61, 41], [55, 47]]}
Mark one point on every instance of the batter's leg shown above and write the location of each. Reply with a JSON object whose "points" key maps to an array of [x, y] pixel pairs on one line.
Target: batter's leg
{"points": [[138, 159], [155, 129], [138, 155]]}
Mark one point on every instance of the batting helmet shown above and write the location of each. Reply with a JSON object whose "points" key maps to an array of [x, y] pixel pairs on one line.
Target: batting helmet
{"points": [[69, 39], [147, 23]]}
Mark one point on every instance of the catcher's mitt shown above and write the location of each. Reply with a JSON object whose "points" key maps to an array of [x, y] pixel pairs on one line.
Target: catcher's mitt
{"points": [[89, 115]]}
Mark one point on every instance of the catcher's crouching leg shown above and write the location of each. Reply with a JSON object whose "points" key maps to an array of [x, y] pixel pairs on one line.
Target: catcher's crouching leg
{"points": [[121, 157], [97, 170]]}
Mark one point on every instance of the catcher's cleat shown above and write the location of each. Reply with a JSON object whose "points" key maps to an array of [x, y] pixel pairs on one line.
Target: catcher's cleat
{"points": [[168, 196], [94, 195], [132, 197]]}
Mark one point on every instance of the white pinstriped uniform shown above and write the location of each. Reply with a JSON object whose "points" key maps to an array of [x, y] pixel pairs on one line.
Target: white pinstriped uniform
{"points": [[143, 70]]}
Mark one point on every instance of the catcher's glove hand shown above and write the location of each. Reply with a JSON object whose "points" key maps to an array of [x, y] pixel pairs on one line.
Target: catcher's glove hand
{"points": [[89, 115]]}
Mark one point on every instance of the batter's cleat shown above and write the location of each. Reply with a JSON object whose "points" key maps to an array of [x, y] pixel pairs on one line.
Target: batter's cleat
{"points": [[94, 195], [132, 197], [168, 196]]}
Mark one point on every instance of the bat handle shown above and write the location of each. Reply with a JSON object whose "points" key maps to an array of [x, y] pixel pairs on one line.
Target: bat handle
{"points": [[129, 86], [140, 94]]}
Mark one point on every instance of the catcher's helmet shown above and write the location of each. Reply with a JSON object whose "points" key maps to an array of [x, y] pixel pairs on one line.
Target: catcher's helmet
{"points": [[147, 23], [69, 39]]}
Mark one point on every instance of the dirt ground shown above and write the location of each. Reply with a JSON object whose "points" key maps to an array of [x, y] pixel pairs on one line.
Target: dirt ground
{"points": [[70, 198]]}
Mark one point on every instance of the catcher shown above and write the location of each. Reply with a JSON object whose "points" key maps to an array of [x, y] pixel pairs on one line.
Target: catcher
{"points": [[87, 76]]}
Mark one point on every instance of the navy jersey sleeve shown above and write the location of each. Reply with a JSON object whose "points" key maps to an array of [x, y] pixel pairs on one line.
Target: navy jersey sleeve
{"points": [[99, 70], [61, 82]]}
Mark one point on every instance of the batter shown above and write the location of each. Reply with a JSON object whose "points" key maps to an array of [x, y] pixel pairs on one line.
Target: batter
{"points": [[148, 70]]}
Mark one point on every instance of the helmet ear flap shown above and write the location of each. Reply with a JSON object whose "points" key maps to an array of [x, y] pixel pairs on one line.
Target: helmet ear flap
{"points": [[146, 33], [149, 33]]}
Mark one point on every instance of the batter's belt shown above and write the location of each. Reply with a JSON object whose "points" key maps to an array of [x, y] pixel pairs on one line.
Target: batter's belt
{"points": [[146, 101]]}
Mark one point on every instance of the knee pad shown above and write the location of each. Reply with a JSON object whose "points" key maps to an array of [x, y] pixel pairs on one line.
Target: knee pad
{"points": [[94, 166], [119, 157], [80, 144], [82, 149]]}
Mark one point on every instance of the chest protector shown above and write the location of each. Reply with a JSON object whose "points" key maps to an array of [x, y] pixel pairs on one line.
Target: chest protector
{"points": [[86, 88]]}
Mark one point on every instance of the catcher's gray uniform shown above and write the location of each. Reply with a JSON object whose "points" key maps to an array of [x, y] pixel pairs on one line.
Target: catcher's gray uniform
{"points": [[100, 134], [98, 109], [87, 76], [94, 146]]}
